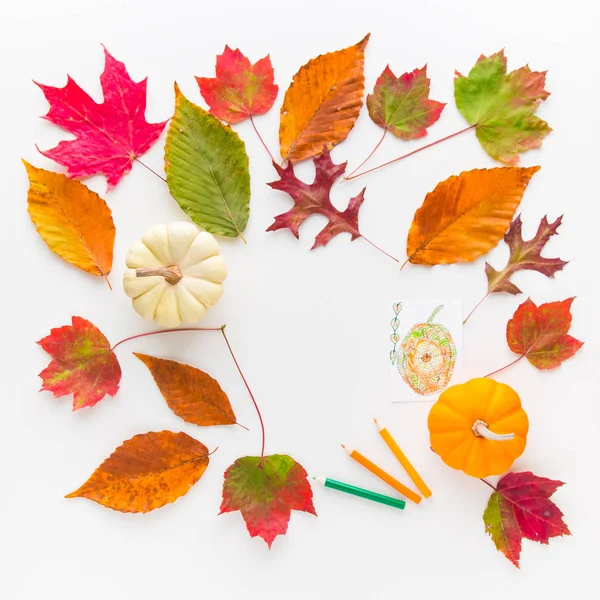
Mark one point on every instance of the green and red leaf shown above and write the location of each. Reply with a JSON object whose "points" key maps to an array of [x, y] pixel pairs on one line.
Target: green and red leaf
{"points": [[266, 490], [240, 89], [402, 106], [524, 255], [521, 508], [540, 333], [83, 364]]}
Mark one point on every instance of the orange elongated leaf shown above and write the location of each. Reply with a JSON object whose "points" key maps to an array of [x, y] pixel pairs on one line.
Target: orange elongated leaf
{"points": [[322, 102], [74, 221], [541, 333], [146, 472], [466, 215], [190, 393]]}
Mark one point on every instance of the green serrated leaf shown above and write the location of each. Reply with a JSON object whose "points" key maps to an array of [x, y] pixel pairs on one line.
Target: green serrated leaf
{"points": [[207, 169]]}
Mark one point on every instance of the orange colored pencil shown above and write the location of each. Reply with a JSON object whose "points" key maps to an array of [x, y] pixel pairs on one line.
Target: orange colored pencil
{"points": [[379, 472], [412, 473]]}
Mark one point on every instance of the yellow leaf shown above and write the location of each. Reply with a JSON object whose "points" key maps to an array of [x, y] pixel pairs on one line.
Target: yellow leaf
{"points": [[72, 219], [322, 103], [466, 215]]}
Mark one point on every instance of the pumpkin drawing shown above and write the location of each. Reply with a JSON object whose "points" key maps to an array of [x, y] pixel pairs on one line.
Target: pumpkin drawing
{"points": [[427, 356], [478, 427]]}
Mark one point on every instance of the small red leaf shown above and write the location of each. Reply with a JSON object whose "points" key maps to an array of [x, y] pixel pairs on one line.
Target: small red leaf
{"points": [[541, 333], [266, 490], [313, 199], [240, 89], [521, 508], [524, 255], [111, 135], [83, 364]]}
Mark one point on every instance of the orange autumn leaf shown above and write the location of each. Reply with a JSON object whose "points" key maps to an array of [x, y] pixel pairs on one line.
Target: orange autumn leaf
{"points": [[146, 472], [72, 219], [190, 393], [322, 103], [466, 215]]}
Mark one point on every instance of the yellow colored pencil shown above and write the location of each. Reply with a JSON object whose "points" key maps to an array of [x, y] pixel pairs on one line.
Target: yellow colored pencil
{"points": [[412, 473], [379, 472]]}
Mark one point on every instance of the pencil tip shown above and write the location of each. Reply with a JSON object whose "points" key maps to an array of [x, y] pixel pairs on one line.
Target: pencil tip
{"points": [[342, 445], [375, 421]]}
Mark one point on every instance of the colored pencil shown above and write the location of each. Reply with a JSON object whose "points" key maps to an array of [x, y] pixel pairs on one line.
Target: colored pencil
{"points": [[360, 492], [412, 473], [379, 472]]}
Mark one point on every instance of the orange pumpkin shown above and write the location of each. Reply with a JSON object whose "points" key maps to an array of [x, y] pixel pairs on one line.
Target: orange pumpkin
{"points": [[478, 427]]}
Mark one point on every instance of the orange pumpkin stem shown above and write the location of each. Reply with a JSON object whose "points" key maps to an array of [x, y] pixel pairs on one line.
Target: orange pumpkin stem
{"points": [[171, 274], [480, 429]]}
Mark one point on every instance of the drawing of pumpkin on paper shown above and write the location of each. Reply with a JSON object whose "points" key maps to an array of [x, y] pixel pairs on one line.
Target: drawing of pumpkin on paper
{"points": [[426, 357]]}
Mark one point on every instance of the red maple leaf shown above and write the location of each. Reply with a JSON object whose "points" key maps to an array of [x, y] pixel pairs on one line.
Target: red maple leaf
{"points": [[541, 333], [521, 508], [266, 490], [313, 199], [524, 255], [83, 364], [240, 89], [111, 135]]}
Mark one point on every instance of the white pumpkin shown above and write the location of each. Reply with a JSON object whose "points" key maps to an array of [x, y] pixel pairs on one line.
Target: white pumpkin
{"points": [[175, 274]]}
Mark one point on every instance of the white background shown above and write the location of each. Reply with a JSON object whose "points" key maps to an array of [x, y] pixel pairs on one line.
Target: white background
{"points": [[304, 324]]}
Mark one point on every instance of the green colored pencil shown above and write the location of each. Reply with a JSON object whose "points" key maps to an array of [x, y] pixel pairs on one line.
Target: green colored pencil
{"points": [[360, 492]]}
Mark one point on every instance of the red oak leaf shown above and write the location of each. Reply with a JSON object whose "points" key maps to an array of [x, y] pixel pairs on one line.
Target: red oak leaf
{"points": [[111, 135], [402, 105], [524, 255], [521, 508], [541, 333], [240, 89], [83, 364], [266, 490], [313, 199]]}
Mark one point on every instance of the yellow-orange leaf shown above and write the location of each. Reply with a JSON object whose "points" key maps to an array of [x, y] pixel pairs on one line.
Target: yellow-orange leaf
{"points": [[322, 103], [466, 215], [190, 393], [72, 219], [146, 472]]}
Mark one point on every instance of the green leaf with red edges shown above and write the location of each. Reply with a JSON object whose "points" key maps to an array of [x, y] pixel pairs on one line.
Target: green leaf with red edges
{"points": [[240, 89], [313, 199], [83, 364], [402, 106], [266, 491], [501, 106], [524, 255], [521, 508], [541, 333]]}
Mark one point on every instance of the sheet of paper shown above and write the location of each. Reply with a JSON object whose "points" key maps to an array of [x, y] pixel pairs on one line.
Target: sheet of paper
{"points": [[425, 348]]}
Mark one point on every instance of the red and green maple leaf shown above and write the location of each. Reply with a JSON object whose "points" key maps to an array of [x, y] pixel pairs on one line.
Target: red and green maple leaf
{"points": [[110, 135], [402, 106], [240, 89], [266, 490], [501, 106], [313, 199], [83, 364], [521, 508], [540, 333], [524, 255]]}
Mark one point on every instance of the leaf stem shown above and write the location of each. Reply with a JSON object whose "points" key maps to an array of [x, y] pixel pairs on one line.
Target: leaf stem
{"points": [[488, 483], [475, 308], [389, 162], [141, 335], [510, 364], [262, 425], [378, 248], [261, 139], [349, 176], [149, 169]]}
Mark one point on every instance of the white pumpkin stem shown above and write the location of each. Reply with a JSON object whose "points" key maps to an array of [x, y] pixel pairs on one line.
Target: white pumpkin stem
{"points": [[171, 274], [480, 429]]}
